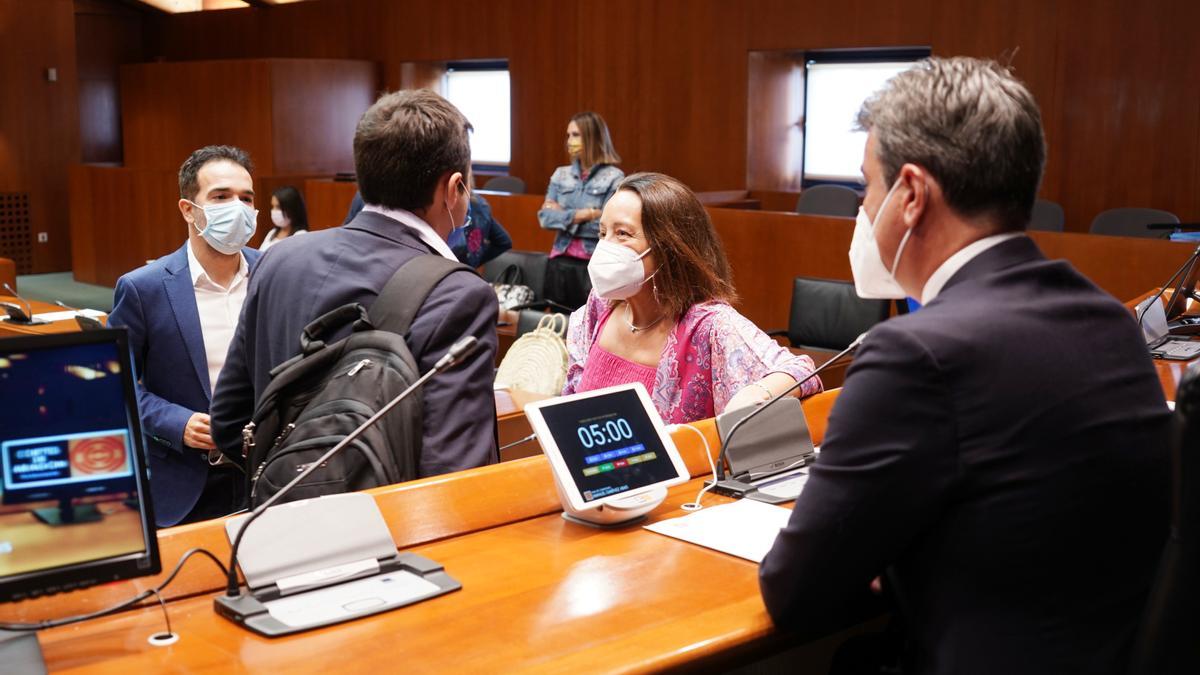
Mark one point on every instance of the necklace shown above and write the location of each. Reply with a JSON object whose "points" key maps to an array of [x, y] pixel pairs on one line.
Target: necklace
{"points": [[637, 329]]}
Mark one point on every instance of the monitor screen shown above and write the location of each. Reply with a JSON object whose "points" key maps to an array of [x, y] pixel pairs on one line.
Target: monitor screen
{"points": [[74, 508], [609, 444]]}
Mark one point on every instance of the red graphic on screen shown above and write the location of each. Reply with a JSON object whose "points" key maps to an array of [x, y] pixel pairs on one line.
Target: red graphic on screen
{"points": [[97, 455]]}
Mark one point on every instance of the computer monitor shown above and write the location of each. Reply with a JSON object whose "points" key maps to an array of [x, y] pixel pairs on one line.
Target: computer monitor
{"points": [[74, 500]]}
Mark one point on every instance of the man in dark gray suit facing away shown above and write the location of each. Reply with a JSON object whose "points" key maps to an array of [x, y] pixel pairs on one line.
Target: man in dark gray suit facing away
{"points": [[412, 155], [997, 459]]}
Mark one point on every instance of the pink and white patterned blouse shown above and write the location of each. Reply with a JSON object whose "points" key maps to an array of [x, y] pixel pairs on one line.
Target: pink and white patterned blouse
{"points": [[710, 355]]}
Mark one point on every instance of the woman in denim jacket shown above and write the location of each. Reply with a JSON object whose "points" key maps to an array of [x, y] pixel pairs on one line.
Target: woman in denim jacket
{"points": [[576, 195]]}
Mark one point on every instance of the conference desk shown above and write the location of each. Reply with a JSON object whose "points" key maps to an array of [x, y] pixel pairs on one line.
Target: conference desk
{"points": [[8, 329], [539, 593]]}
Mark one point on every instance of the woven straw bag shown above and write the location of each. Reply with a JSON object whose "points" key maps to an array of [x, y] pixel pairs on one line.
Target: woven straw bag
{"points": [[537, 361]]}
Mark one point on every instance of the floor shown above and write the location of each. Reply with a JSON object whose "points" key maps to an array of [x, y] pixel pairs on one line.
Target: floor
{"points": [[62, 287]]}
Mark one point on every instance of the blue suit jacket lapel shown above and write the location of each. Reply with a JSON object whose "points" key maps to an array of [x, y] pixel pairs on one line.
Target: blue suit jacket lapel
{"points": [[182, 296]]}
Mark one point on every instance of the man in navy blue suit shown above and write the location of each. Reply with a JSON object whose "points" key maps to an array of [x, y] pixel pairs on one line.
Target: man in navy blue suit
{"points": [[997, 461], [181, 312], [413, 157]]}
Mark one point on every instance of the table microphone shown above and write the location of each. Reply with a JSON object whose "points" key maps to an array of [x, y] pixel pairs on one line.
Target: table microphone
{"points": [[458, 354], [1182, 270], [727, 485], [16, 314]]}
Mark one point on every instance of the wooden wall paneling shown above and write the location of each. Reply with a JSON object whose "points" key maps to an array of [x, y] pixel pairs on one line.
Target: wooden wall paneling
{"points": [[328, 202], [171, 109], [1130, 113], [1023, 33], [122, 218], [786, 24], [39, 119], [775, 111], [315, 107], [107, 35], [518, 215], [672, 104], [1124, 266]]}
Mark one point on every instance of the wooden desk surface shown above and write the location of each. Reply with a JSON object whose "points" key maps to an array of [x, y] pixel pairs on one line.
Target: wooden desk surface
{"points": [[539, 593], [8, 329]]}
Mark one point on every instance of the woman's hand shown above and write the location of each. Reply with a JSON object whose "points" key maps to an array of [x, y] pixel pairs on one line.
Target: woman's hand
{"points": [[586, 215]]}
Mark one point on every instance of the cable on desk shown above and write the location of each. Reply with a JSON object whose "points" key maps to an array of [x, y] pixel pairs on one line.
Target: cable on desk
{"points": [[695, 505], [54, 623]]}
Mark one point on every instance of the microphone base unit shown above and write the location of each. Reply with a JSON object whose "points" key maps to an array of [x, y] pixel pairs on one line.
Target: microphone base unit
{"points": [[321, 561]]}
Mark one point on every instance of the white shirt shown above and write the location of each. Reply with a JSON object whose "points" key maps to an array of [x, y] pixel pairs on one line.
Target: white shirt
{"points": [[422, 228], [270, 239], [954, 263], [219, 308]]}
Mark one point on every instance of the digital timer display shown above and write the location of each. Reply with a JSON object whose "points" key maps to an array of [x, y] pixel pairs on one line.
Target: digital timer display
{"points": [[609, 444]]}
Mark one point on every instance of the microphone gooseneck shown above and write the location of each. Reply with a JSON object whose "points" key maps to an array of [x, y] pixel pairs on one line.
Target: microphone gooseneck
{"points": [[456, 356], [1187, 264], [15, 294], [720, 464]]}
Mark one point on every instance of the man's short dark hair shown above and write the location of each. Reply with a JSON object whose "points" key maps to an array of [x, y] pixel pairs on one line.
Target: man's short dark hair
{"points": [[972, 125], [189, 183], [404, 143]]}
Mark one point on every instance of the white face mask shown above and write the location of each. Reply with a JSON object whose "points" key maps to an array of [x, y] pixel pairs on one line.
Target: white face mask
{"points": [[277, 218], [871, 279], [228, 225], [616, 271]]}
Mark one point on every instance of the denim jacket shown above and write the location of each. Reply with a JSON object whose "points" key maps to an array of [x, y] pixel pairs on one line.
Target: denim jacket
{"points": [[572, 192]]}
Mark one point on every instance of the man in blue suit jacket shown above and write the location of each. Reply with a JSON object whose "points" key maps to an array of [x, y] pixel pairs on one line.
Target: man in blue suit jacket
{"points": [[997, 461], [181, 311], [412, 156]]}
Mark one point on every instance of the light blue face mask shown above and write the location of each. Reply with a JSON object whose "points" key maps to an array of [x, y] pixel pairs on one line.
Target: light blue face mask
{"points": [[229, 225]]}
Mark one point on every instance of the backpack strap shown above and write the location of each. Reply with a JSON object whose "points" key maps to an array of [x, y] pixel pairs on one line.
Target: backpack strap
{"points": [[402, 297]]}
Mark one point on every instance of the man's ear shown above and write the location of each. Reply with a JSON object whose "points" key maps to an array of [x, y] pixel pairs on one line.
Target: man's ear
{"points": [[914, 197], [456, 187], [188, 212]]}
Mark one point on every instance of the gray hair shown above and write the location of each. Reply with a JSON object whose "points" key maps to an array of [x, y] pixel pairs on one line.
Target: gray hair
{"points": [[972, 125], [189, 172]]}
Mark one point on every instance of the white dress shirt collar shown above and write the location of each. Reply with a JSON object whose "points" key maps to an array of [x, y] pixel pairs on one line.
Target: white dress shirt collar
{"points": [[954, 263], [422, 229], [200, 275]]}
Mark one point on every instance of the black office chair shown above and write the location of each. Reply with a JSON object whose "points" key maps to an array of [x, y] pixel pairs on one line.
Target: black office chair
{"points": [[528, 319], [532, 265], [510, 184], [1132, 223], [1169, 638], [829, 315], [1047, 216], [828, 200]]}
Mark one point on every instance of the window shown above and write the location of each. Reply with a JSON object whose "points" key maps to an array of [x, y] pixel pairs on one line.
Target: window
{"points": [[836, 84], [481, 91]]}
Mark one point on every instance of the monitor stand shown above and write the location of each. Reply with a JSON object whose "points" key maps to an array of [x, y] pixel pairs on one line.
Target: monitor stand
{"points": [[21, 654], [616, 512], [67, 514]]}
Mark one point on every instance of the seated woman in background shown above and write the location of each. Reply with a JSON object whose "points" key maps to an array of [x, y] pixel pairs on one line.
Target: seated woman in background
{"points": [[287, 214], [659, 312], [576, 195], [482, 238]]}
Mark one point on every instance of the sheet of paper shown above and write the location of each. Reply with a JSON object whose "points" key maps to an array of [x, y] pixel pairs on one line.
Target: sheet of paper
{"points": [[745, 528]]}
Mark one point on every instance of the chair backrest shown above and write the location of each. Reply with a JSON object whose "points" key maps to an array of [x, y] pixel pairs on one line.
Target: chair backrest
{"points": [[828, 200], [828, 314], [531, 263], [528, 320], [1132, 222], [510, 184], [1047, 216], [1167, 640]]}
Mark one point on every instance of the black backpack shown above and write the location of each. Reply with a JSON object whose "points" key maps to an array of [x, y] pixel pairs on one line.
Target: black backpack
{"points": [[318, 397]]}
